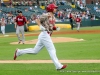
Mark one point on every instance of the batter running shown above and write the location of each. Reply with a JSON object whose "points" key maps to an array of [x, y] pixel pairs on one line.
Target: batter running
{"points": [[46, 23]]}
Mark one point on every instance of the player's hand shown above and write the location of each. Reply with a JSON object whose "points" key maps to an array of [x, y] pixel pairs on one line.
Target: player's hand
{"points": [[26, 27], [15, 26], [42, 28]]}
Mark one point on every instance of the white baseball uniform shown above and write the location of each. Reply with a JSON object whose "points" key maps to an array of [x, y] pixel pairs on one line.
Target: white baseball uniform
{"points": [[3, 23], [44, 40]]}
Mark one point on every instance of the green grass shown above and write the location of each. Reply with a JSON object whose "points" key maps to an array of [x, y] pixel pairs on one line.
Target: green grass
{"points": [[88, 49], [48, 69], [84, 28]]}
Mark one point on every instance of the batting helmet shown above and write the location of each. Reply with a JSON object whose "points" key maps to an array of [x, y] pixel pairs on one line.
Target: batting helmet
{"points": [[51, 7]]}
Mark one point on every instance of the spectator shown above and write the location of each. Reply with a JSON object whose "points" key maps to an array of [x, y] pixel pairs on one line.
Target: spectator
{"points": [[30, 3], [26, 3], [0, 10], [26, 9], [92, 2], [81, 6], [94, 8], [22, 3], [35, 6], [97, 3], [86, 17], [30, 8], [78, 2], [93, 17]]}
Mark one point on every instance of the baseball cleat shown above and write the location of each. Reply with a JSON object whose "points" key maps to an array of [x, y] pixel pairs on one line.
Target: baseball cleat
{"points": [[77, 30], [63, 67], [19, 42], [15, 56]]}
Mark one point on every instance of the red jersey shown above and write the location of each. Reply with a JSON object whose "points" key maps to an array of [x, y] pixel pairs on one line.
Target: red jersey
{"points": [[21, 20], [78, 20]]}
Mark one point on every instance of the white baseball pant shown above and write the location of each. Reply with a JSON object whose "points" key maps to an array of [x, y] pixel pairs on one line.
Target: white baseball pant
{"points": [[78, 25], [44, 39], [3, 30], [20, 29]]}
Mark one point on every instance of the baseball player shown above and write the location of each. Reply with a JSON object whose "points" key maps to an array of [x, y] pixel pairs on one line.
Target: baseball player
{"points": [[71, 20], [20, 21], [46, 23], [78, 22], [3, 23]]}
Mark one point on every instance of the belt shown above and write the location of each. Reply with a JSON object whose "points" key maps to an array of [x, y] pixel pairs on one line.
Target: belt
{"points": [[20, 25]]}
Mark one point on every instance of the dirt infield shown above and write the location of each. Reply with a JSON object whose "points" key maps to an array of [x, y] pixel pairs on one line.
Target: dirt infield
{"points": [[60, 39], [70, 32], [60, 32], [54, 39], [49, 61]]}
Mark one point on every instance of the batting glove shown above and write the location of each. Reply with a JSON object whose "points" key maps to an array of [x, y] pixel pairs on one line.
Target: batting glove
{"points": [[58, 28]]}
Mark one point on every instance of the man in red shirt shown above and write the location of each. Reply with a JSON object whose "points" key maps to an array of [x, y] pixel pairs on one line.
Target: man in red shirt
{"points": [[20, 21], [78, 22]]}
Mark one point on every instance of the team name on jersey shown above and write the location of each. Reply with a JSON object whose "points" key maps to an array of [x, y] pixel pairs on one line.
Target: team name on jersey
{"points": [[19, 19], [78, 20]]}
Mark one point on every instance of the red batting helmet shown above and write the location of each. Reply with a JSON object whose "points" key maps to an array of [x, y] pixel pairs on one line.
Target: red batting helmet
{"points": [[51, 7]]}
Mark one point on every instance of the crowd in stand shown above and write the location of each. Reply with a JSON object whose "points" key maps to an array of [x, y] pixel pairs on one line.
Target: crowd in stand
{"points": [[9, 17], [61, 15], [64, 15], [96, 7], [22, 3], [82, 5]]}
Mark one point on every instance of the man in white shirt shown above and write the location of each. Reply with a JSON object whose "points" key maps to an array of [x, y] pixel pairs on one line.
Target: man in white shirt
{"points": [[3, 23]]}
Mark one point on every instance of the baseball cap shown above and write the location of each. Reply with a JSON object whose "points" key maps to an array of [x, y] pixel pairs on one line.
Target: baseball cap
{"points": [[19, 11]]}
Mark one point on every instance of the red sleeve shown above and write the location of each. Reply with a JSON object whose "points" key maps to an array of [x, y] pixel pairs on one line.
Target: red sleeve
{"points": [[80, 20], [16, 19]]}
